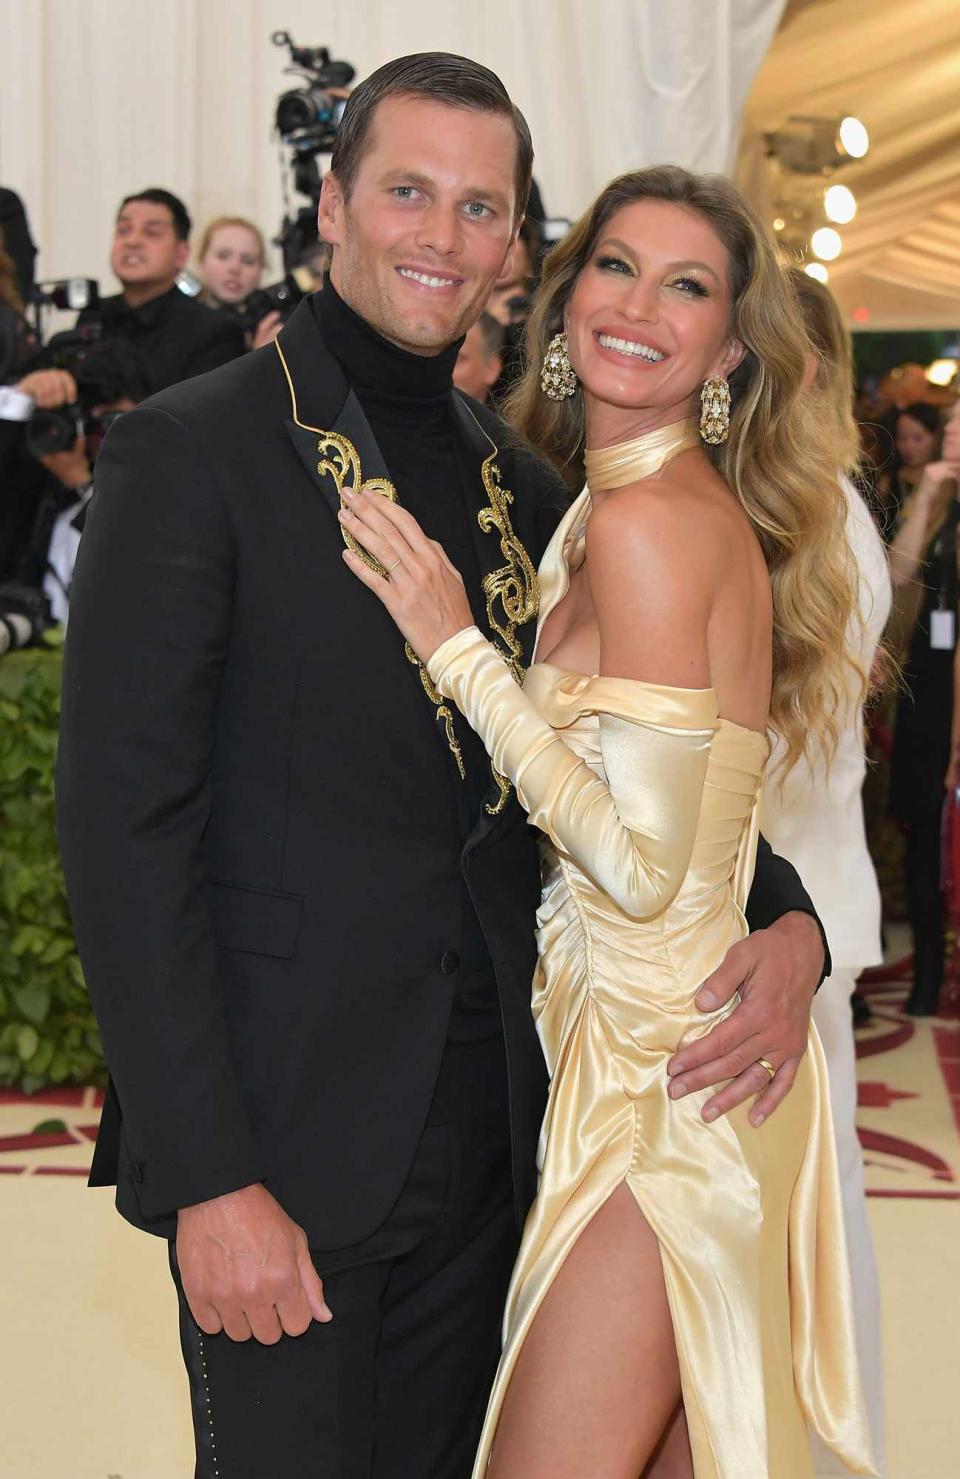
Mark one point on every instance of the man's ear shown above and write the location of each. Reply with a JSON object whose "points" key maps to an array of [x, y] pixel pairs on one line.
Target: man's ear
{"points": [[492, 370], [330, 211]]}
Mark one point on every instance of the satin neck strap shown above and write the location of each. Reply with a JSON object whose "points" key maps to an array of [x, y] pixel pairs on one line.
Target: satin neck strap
{"points": [[615, 467]]}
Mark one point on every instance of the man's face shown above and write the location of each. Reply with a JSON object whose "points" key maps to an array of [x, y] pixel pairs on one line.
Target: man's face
{"points": [[477, 369], [429, 224], [147, 254]]}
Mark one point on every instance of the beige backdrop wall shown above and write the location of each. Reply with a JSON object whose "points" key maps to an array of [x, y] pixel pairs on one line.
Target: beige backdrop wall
{"points": [[101, 97]]}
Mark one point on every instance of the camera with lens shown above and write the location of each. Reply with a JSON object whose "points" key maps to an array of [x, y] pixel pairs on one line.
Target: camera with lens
{"points": [[56, 429], [281, 297], [24, 615], [307, 119]]}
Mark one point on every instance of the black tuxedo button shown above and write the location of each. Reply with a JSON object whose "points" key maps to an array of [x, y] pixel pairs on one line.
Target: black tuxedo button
{"points": [[449, 962]]}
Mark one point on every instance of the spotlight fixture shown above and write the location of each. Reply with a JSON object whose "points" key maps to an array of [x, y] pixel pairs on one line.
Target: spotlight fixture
{"points": [[816, 146], [818, 271], [854, 139], [839, 204], [826, 243]]}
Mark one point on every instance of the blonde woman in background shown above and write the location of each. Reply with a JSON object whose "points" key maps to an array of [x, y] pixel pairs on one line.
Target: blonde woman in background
{"points": [[814, 817], [692, 595], [231, 262]]}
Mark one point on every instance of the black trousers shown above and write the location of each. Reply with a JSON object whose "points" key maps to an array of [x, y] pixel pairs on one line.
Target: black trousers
{"points": [[396, 1385], [921, 867]]}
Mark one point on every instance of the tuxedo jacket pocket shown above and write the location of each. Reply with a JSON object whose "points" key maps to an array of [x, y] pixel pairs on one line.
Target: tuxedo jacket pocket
{"points": [[255, 919]]}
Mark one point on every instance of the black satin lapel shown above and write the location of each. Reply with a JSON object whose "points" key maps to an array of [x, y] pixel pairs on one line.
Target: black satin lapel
{"points": [[504, 563], [313, 448], [505, 608]]}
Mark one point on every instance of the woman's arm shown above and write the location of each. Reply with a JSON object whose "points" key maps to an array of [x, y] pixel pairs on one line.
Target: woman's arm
{"points": [[634, 831], [919, 526]]}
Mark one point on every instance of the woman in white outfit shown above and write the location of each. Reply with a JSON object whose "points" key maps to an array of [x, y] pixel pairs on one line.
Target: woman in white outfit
{"points": [[816, 820]]}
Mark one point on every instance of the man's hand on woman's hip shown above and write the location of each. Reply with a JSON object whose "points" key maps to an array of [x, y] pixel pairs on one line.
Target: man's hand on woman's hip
{"points": [[776, 972]]}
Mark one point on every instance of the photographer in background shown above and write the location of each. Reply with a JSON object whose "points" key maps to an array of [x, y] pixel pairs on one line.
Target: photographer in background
{"points": [[231, 262], [480, 360], [109, 380], [175, 336]]}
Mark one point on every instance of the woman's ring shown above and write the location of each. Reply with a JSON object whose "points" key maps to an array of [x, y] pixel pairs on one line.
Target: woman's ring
{"points": [[768, 1066]]}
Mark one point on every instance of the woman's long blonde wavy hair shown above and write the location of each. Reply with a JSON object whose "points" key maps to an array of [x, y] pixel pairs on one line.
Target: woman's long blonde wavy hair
{"points": [[780, 459]]}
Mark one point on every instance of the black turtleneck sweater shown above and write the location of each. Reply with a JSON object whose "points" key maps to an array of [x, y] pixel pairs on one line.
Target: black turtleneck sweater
{"points": [[407, 400]]}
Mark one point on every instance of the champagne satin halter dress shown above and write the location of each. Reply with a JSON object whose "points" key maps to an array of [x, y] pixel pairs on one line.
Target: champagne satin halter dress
{"points": [[649, 804]]}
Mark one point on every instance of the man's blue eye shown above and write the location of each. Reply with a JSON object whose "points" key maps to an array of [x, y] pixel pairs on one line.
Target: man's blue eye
{"points": [[477, 208]]}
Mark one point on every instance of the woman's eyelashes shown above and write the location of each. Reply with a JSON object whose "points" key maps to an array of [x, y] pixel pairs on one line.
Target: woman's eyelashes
{"points": [[692, 286]]}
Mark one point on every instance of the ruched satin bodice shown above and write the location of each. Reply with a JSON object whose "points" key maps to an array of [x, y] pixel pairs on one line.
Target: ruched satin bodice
{"points": [[684, 942], [648, 802]]}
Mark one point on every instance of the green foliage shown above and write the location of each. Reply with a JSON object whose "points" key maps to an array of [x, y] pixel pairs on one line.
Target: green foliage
{"points": [[47, 1030]]}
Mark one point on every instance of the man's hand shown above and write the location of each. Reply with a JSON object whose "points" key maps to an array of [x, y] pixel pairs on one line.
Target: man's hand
{"points": [[72, 467], [267, 329], [776, 972], [50, 388], [246, 1268]]}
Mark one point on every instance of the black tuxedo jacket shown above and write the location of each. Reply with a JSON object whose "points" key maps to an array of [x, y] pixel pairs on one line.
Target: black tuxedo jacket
{"points": [[259, 816]]}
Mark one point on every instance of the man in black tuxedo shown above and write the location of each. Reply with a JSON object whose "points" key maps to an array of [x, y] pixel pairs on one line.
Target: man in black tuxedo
{"points": [[304, 903]]}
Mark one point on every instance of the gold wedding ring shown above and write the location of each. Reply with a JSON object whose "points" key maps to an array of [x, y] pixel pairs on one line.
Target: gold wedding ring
{"points": [[763, 1062]]}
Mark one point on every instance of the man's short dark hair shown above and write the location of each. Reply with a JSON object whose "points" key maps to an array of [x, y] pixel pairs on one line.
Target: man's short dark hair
{"points": [[441, 77], [493, 333], [182, 224]]}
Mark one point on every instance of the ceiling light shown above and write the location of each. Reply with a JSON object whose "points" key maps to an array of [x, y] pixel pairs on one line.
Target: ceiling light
{"points": [[854, 139], [840, 204], [778, 223], [942, 371], [826, 243], [817, 270], [816, 146]]}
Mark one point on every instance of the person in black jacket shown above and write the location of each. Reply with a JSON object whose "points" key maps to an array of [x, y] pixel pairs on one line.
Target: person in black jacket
{"points": [[304, 902], [175, 336]]}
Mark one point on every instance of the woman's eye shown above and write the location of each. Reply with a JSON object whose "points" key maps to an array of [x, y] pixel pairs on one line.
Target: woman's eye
{"points": [[612, 264], [691, 285]]}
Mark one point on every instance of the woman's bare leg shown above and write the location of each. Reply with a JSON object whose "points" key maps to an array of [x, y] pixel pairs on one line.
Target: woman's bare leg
{"points": [[672, 1458], [597, 1379]]}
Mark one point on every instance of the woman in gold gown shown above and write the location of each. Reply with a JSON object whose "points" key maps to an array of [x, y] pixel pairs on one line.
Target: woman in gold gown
{"points": [[675, 1276]]}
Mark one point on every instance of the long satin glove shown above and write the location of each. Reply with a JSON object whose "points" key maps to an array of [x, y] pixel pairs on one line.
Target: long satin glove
{"points": [[635, 834]]}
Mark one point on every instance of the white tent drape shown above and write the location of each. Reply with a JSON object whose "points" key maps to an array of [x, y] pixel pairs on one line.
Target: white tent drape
{"points": [[102, 97], [895, 64]]}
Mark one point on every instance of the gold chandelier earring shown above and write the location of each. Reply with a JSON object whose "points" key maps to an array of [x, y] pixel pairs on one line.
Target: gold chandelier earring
{"points": [[715, 410], [557, 377]]}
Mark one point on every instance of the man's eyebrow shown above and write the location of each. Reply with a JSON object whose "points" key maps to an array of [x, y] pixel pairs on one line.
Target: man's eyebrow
{"points": [[628, 251], [412, 177]]}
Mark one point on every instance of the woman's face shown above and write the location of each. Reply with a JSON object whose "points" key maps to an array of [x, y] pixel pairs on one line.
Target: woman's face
{"points": [[649, 317], [231, 265], [915, 445]]}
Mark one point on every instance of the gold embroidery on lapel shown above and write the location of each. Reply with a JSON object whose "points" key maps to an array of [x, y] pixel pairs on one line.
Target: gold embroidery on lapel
{"points": [[514, 585], [341, 460]]}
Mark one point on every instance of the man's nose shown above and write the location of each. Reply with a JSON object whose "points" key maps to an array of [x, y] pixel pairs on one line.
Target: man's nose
{"points": [[440, 229]]}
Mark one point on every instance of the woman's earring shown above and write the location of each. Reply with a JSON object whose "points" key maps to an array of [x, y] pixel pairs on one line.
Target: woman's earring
{"points": [[715, 410], [557, 377]]}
